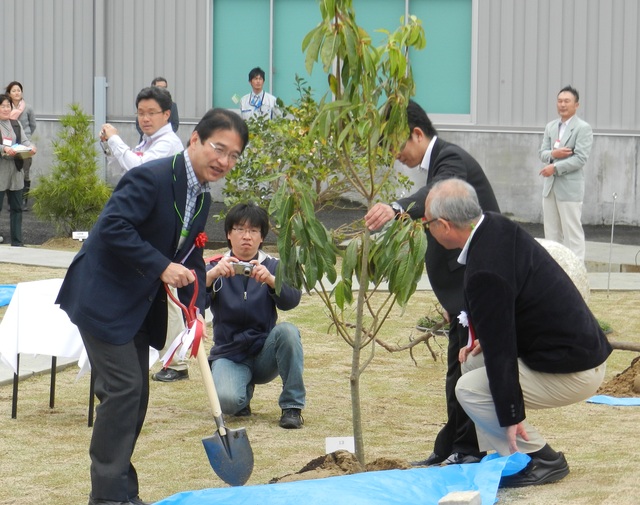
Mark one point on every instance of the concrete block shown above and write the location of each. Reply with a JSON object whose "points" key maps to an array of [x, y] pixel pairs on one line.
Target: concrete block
{"points": [[461, 498]]}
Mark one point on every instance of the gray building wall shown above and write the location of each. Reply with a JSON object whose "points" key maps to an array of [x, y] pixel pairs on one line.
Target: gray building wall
{"points": [[524, 52], [529, 49]]}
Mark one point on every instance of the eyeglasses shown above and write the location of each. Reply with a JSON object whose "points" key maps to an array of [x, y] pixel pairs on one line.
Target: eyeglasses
{"points": [[254, 232], [142, 115], [426, 224], [233, 157]]}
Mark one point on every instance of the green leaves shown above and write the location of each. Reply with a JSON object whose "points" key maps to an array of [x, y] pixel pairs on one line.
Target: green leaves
{"points": [[305, 246], [72, 196]]}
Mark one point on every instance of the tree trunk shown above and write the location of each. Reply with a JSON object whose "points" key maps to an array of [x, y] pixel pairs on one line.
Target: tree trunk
{"points": [[357, 343]]}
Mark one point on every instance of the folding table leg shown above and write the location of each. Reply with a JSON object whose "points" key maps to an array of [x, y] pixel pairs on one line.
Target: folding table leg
{"points": [[52, 388]]}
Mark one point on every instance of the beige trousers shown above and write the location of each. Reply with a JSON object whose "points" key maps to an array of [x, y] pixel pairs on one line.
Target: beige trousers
{"points": [[563, 223], [540, 391]]}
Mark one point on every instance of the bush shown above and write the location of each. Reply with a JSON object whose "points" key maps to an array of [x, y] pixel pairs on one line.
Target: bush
{"points": [[283, 148], [72, 197]]}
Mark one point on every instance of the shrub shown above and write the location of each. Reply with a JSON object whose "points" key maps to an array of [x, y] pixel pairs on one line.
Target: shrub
{"points": [[72, 196]]}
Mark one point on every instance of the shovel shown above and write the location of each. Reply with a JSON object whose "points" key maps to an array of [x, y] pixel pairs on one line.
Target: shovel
{"points": [[229, 451]]}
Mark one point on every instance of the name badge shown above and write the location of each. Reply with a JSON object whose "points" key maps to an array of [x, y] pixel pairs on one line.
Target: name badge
{"points": [[6, 141], [556, 144]]}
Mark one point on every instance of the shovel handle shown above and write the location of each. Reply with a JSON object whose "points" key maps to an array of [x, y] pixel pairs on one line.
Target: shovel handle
{"points": [[210, 388]]}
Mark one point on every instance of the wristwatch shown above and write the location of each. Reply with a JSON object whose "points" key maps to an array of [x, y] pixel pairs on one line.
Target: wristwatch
{"points": [[397, 208]]}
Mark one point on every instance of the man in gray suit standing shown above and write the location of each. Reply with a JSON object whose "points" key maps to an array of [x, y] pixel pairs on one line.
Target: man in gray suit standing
{"points": [[565, 149]]}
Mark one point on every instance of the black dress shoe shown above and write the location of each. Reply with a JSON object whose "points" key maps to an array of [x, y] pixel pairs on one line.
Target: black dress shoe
{"points": [[458, 458], [433, 459], [538, 471], [170, 375]]}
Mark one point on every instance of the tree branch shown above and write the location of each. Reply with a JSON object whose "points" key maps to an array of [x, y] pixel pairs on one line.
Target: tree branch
{"points": [[625, 346]]}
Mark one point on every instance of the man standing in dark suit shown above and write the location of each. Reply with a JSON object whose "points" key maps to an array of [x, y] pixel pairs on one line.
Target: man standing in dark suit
{"points": [[533, 342], [456, 442], [114, 289]]}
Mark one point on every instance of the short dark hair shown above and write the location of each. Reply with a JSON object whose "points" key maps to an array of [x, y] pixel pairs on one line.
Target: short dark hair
{"points": [[571, 90], [4, 97], [255, 72], [158, 79], [222, 119], [11, 85], [247, 213], [160, 95], [417, 118]]}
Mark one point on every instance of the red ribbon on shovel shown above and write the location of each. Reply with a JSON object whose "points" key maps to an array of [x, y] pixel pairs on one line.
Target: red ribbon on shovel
{"points": [[191, 316]]}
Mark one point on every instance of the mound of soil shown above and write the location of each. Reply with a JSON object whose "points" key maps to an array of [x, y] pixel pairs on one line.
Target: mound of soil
{"points": [[622, 385], [340, 463]]}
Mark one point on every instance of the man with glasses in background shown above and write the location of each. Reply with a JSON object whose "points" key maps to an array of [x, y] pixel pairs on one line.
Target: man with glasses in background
{"points": [[174, 119], [250, 348], [153, 106], [456, 442]]}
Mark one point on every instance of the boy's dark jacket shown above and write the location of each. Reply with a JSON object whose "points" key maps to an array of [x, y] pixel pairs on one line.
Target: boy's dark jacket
{"points": [[245, 311]]}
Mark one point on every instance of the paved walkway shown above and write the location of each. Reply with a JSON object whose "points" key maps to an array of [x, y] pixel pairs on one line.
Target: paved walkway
{"points": [[624, 275]]}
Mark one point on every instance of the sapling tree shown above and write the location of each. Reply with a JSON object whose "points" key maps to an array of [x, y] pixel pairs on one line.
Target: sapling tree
{"points": [[365, 119]]}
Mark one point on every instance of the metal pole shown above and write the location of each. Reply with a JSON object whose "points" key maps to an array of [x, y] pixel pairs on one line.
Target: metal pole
{"points": [[613, 224]]}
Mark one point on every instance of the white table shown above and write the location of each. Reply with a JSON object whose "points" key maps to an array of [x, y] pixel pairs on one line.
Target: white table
{"points": [[34, 324]]}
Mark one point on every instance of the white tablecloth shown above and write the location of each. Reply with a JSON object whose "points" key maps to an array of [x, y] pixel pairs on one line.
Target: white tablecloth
{"points": [[34, 324]]}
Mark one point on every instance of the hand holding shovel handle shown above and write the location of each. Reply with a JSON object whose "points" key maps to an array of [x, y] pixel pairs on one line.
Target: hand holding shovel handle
{"points": [[228, 450]]}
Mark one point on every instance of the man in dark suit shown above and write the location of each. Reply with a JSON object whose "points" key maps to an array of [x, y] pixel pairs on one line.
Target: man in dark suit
{"points": [[533, 343], [114, 289], [456, 442]]}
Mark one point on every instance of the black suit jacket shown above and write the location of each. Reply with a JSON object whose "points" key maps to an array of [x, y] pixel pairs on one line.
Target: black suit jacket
{"points": [[445, 273], [522, 304], [113, 285]]}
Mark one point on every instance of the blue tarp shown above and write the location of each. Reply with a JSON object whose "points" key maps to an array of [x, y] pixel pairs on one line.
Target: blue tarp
{"points": [[6, 292], [389, 487], [612, 400]]}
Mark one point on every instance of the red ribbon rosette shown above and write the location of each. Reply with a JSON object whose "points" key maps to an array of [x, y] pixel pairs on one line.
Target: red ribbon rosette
{"points": [[200, 242]]}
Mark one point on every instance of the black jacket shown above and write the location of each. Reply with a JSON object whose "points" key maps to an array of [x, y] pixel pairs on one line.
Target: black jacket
{"points": [[113, 284], [245, 311], [523, 305], [445, 273]]}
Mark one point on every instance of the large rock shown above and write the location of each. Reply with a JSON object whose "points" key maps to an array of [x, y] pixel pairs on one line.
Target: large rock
{"points": [[570, 263]]}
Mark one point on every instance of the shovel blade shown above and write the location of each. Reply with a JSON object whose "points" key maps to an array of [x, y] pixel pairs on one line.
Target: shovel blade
{"points": [[231, 458]]}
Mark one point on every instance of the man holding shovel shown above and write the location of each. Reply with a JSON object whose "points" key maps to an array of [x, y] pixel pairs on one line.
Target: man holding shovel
{"points": [[114, 289]]}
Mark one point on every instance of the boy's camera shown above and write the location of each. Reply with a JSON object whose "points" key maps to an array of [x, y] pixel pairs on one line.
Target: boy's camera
{"points": [[243, 268]]}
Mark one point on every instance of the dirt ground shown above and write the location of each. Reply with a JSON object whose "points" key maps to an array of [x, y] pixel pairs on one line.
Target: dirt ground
{"points": [[344, 463], [340, 463]]}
